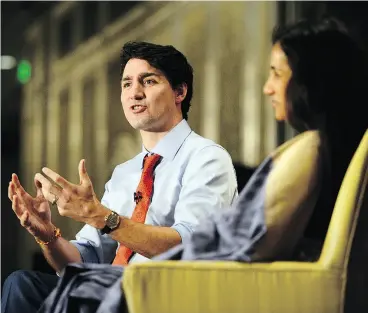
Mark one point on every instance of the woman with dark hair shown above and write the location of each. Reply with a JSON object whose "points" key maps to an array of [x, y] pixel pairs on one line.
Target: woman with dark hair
{"points": [[323, 89]]}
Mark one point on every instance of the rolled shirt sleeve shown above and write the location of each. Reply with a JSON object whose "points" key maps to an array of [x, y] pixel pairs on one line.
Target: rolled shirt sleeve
{"points": [[208, 186]]}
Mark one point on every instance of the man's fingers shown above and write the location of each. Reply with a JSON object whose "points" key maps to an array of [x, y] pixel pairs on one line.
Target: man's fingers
{"points": [[83, 175], [49, 191], [19, 190], [16, 182], [16, 206], [24, 219], [56, 178], [11, 191], [42, 181], [23, 197]]}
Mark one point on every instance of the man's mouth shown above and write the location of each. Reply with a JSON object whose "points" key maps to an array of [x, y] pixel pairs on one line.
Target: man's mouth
{"points": [[137, 108]]}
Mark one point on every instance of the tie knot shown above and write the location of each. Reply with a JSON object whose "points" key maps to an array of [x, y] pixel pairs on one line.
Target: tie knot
{"points": [[150, 161]]}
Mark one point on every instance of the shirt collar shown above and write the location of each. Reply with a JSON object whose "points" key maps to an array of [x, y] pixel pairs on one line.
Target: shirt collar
{"points": [[170, 144]]}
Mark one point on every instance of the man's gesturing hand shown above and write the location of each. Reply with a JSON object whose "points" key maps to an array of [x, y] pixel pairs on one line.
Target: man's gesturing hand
{"points": [[78, 202], [34, 213]]}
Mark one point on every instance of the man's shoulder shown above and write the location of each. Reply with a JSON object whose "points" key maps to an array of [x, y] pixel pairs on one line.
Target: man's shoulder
{"points": [[195, 144], [203, 157], [198, 142]]}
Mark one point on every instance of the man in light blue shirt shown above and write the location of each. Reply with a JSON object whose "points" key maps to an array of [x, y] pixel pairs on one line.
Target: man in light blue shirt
{"points": [[194, 180]]}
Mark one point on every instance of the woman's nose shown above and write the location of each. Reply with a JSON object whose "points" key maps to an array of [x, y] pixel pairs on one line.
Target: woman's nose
{"points": [[267, 88]]}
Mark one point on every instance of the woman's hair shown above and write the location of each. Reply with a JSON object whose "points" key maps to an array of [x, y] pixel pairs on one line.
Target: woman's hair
{"points": [[328, 72], [326, 92], [171, 62]]}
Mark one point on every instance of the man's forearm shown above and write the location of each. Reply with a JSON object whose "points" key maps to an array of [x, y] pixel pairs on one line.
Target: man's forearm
{"points": [[144, 239], [61, 252]]}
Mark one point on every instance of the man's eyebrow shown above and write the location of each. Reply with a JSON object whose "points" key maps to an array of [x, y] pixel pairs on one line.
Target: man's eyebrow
{"points": [[144, 75], [141, 76], [127, 78]]}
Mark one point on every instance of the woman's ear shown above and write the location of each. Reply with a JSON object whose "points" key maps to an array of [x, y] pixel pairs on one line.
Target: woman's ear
{"points": [[180, 93]]}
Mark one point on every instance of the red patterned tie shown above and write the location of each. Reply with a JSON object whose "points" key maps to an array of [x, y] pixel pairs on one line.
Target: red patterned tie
{"points": [[142, 198]]}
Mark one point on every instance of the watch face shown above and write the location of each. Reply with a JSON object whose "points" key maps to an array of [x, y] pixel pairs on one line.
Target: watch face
{"points": [[112, 220]]}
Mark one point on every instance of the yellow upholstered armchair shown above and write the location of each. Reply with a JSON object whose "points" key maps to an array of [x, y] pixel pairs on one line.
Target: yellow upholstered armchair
{"points": [[336, 283]]}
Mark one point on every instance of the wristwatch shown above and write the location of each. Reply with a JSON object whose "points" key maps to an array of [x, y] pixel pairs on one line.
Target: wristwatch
{"points": [[112, 221]]}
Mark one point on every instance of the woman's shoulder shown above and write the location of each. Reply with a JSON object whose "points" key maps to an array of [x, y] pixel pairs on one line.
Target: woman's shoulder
{"points": [[307, 139]]}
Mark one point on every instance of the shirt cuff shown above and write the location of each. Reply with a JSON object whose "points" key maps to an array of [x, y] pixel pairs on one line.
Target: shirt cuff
{"points": [[185, 231], [87, 251]]}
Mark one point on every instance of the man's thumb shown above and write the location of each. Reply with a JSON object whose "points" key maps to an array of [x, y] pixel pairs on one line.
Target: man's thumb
{"points": [[38, 187], [83, 175]]}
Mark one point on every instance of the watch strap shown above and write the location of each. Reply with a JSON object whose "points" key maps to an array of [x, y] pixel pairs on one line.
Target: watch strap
{"points": [[105, 230]]}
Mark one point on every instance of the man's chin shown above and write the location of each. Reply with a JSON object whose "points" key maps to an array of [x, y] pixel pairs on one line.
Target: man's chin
{"points": [[151, 125], [140, 124], [143, 126]]}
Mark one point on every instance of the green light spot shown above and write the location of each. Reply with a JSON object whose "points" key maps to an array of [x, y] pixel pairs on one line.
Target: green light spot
{"points": [[24, 71]]}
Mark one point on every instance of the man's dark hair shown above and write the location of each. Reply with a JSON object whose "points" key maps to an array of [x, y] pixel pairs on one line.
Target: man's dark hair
{"points": [[326, 92], [171, 62]]}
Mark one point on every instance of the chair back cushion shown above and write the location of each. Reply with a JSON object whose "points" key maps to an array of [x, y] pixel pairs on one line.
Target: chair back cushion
{"points": [[346, 244]]}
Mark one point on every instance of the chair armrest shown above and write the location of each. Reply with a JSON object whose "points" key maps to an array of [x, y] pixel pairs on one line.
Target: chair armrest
{"points": [[209, 287]]}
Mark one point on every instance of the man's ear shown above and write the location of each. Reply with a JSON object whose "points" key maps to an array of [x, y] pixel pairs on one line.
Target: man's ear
{"points": [[180, 93]]}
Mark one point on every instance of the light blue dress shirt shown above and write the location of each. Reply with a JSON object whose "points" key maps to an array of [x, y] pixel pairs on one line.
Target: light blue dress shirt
{"points": [[194, 180]]}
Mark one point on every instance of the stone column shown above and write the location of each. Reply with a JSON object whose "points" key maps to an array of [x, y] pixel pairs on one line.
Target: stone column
{"points": [[254, 120], [101, 128], [211, 95], [53, 130], [269, 122], [75, 132]]}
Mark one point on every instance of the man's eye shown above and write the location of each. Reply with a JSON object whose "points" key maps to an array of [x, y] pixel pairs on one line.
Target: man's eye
{"points": [[126, 85], [149, 82]]}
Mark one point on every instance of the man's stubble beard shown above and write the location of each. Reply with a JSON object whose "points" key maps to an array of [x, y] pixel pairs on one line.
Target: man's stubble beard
{"points": [[147, 123]]}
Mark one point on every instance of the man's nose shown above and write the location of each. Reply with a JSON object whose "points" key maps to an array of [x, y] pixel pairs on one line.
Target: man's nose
{"points": [[137, 91]]}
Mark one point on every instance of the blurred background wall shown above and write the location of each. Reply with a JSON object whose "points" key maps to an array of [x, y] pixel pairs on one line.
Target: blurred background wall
{"points": [[63, 103]]}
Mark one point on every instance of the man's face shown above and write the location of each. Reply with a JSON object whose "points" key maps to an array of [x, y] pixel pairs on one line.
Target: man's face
{"points": [[148, 101], [277, 82]]}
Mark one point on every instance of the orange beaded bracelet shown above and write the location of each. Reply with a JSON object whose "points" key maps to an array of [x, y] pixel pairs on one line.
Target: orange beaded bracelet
{"points": [[57, 234]]}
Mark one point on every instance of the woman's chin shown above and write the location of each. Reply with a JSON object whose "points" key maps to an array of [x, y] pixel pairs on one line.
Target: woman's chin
{"points": [[280, 117]]}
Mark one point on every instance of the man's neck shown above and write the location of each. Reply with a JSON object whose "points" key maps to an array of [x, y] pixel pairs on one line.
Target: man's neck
{"points": [[150, 139]]}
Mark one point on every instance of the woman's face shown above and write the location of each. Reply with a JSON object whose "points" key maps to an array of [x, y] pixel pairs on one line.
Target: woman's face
{"points": [[277, 82]]}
